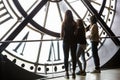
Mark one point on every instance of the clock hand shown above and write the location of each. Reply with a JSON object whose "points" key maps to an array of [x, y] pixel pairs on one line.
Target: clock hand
{"points": [[23, 24], [36, 25]]}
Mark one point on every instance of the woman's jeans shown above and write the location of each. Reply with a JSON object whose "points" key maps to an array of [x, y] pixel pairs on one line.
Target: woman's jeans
{"points": [[72, 48], [95, 54], [81, 53]]}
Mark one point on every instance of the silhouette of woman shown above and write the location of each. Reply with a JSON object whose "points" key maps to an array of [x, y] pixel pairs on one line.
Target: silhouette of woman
{"points": [[81, 43], [69, 41], [94, 38]]}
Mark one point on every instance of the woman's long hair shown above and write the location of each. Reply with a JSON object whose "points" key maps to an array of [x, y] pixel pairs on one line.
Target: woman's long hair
{"points": [[68, 19], [80, 23], [93, 19]]}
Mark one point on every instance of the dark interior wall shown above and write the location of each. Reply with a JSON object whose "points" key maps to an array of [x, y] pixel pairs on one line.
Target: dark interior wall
{"points": [[10, 71], [114, 62]]}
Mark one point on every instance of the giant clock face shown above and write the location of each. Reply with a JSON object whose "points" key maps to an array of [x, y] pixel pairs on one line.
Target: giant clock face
{"points": [[33, 40]]}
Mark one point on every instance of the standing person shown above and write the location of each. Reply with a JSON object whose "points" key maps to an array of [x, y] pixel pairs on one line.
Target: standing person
{"points": [[81, 43], [69, 43], [94, 38]]}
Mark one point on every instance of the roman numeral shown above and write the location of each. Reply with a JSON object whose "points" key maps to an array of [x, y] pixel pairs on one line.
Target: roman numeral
{"points": [[5, 15], [52, 52], [21, 44]]}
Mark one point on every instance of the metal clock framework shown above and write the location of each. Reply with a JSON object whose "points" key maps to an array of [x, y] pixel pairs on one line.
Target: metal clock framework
{"points": [[30, 32]]}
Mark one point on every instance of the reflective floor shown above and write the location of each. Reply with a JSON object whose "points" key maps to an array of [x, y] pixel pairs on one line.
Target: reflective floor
{"points": [[110, 74]]}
